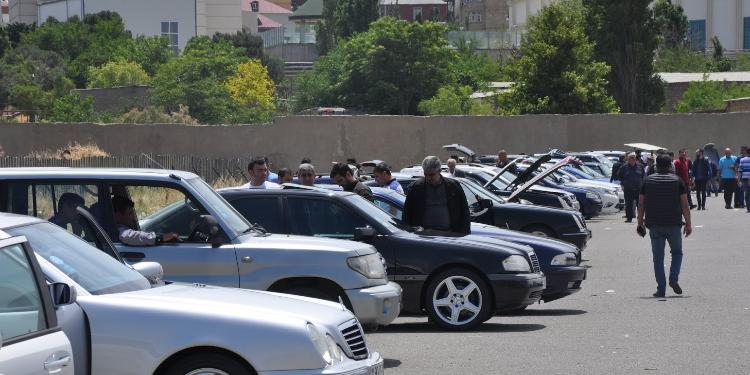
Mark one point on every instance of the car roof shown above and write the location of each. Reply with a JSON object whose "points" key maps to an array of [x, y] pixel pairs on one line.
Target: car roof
{"points": [[93, 173], [8, 220]]}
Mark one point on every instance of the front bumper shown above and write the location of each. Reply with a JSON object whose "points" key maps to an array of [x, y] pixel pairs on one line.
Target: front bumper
{"points": [[577, 238], [563, 281], [378, 305], [517, 290], [592, 208], [370, 366]]}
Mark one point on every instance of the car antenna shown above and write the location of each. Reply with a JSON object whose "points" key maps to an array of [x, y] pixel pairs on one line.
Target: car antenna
{"points": [[152, 160]]}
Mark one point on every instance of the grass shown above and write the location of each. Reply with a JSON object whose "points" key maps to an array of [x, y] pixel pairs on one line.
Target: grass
{"points": [[73, 151]]}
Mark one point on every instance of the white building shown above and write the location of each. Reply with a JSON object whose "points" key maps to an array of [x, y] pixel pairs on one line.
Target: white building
{"points": [[729, 20], [179, 20], [4, 12]]}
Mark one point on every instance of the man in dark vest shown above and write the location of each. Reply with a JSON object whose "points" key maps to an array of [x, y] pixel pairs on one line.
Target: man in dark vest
{"points": [[664, 203], [630, 176]]}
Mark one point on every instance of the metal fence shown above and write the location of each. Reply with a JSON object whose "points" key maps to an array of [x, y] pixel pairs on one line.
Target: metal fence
{"points": [[282, 35], [486, 40], [210, 169]]}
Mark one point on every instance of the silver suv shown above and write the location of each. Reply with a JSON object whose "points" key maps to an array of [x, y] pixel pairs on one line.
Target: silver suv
{"points": [[215, 245]]}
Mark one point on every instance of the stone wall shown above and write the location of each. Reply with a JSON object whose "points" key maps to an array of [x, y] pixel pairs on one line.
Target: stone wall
{"points": [[117, 99], [399, 140]]}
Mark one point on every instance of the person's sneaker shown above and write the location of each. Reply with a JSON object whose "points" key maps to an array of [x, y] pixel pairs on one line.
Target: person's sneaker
{"points": [[692, 206], [628, 220], [659, 294], [675, 287]]}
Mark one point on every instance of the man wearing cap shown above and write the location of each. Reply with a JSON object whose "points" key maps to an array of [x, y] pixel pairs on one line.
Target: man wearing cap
{"points": [[384, 178]]}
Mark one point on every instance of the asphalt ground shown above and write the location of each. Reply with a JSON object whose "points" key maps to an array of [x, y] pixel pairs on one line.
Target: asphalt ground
{"points": [[613, 325]]}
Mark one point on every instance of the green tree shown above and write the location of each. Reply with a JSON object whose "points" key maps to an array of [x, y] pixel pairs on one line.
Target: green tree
{"points": [[325, 31], [556, 72], [475, 69], [710, 95], [253, 46], [117, 73], [32, 72], [252, 89], [16, 30], [196, 79], [394, 66], [626, 36], [30, 97], [342, 19], [452, 100], [4, 41], [720, 63], [317, 87], [72, 108], [681, 59], [150, 52], [672, 23]]}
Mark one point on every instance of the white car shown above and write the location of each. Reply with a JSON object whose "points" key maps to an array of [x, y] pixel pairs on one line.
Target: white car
{"points": [[31, 343], [119, 324]]}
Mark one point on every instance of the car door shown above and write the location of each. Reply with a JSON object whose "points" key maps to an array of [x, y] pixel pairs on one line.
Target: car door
{"points": [[165, 208], [30, 340]]}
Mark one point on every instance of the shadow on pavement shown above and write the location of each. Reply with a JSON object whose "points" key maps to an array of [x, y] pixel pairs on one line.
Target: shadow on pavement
{"points": [[485, 327], [666, 298], [550, 312], [391, 363]]}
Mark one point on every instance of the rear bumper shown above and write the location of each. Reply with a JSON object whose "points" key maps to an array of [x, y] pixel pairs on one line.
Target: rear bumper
{"points": [[517, 290], [378, 305], [563, 281]]}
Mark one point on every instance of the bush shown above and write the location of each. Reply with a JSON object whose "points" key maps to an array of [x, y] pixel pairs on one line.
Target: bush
{"points": [[72, 108], [117, 73], [155, 115], [710, 95]]}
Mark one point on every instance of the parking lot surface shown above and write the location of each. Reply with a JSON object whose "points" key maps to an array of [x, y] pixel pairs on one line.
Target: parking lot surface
{"points": [[612, 326]]}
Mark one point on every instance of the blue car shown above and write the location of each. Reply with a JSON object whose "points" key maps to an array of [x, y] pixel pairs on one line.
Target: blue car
{"points": [[559, 261]]}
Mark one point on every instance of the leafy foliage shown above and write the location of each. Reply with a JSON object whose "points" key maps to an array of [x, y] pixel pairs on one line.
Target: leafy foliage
{"points": [[31, 78], [626, 36], [252, 89], [117, 73], [720, 62], [155, 115], [672, 23], [149, 52], [475, 69], [253, 47], [710, 95], [681, 59], [72, 108], [556, 72], [451, 100], [342, 19]]}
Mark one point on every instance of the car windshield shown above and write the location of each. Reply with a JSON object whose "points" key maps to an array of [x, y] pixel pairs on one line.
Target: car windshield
{"points": [[479, 190], [217, 204], [389, 222], [590, 171], [91, 268], [501, 183]]}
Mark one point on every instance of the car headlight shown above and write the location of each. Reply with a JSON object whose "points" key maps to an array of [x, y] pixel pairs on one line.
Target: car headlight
{"points": [[319, 342], [592, 195], [516, 263], [371, 265], [567, 259], [336, 354]]}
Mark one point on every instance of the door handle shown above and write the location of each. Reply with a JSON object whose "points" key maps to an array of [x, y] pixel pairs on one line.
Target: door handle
{"points": [[247, 259], [132, 255], [56, 362]]}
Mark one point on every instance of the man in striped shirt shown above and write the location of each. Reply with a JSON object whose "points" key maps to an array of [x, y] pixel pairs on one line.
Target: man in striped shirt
{"points": [[743, 174]]}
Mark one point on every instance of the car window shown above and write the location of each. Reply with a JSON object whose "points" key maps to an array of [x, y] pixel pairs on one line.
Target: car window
{"points": [[21, 307], [264, 211], [226, 212], [389, 207], [90, 267], [162, 209], [322, 218]]}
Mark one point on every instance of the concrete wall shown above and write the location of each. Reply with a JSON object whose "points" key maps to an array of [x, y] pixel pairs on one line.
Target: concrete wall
{"points": [[22, 11], [400, 140], [117, 99]]}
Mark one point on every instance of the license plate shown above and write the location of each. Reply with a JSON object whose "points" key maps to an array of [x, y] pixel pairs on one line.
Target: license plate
{"points": [[376, 369]]}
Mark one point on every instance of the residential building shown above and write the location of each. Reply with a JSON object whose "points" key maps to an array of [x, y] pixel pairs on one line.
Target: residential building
{"points": [[268, 15], [415, 10], [22, 11], [729, 20], [170, 18], [483, 15], [306, 17]]}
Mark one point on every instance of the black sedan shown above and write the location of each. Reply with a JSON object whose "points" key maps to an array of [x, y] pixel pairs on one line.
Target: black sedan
{"points": [[560, 261], [488, 208], [459, 281]]}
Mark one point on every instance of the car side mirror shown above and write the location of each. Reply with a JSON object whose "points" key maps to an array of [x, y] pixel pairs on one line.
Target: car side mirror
{"points": [[62, 294], [364, 233], [208, 225], [485, 204], [152, 271]]}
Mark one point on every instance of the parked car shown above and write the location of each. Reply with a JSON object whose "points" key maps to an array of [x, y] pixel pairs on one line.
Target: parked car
{"points": [[559, 261], [217, 245], [484, 275], [590, 200], [31, 342], [119, 324]]}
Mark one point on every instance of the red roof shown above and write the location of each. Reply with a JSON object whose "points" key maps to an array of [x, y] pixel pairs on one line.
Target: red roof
{"points": [[265, 7], [265, 23]]}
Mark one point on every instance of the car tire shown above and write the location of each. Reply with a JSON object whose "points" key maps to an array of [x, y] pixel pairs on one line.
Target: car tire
{"points": [[208, 363], [458, 300]]}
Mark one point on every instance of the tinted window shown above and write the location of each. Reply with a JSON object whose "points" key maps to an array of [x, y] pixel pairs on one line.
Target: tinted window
{"points": [[389, 207], [21, 308], [262, 211], [324, 218]]}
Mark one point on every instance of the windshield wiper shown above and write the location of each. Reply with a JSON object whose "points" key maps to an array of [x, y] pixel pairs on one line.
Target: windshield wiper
{"points": [[258, 228]]}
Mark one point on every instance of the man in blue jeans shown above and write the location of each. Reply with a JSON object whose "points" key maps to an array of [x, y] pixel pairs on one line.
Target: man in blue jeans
{"points": [[664, 203], [743, 175]]}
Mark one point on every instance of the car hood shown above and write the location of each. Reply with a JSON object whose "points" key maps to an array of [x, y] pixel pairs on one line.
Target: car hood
{"points": [[539, 176], [539, 210], [283, 241], [544, 189], [522, 238], [474, 241], [209, 299]]}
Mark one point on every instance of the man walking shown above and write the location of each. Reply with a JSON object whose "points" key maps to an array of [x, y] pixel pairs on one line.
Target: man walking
{"points": [[342, 175], [727, 167], [663, 202], [437, 203], [682, 168], [630, 176], [701, 176], [743, 174], [739, 201]]}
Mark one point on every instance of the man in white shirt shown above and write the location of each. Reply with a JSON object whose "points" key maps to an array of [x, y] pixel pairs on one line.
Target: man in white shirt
{"points": [[258, 171], [127, 225]]}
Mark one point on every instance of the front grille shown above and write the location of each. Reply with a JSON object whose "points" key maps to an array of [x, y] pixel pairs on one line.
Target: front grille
{"points": [[534, 263], [355, 339], [536, 295]]}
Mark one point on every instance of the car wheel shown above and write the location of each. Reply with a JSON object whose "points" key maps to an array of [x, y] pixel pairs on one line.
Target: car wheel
{"points": [[208, 364], [458, 300]]}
